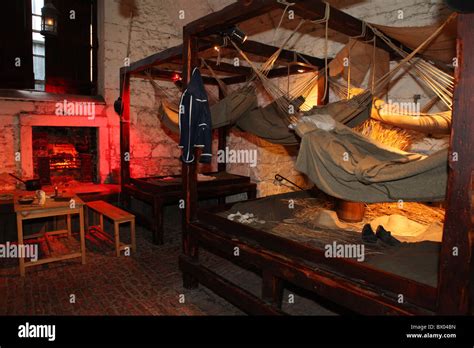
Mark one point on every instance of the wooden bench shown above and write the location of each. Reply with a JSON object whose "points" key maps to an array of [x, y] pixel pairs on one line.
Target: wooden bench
{"points": [[118, 216]]}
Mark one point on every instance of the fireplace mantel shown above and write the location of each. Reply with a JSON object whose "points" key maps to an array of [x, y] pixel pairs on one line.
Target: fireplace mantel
{"points": [[28, 121]]}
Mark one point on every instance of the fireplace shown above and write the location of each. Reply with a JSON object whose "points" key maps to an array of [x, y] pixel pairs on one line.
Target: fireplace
{"points": [[65, 154]]}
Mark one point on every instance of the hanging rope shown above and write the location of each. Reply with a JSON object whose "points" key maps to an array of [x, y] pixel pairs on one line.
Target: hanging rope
{"points": [[325, 20], [287, 6], [221, 83], [440, 82]]}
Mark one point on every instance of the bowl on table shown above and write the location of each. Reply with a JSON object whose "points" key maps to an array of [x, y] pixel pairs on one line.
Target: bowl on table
{"points": [[26, 199]]}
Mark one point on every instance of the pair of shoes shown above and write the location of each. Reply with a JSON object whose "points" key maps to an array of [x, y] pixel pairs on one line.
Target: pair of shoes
{"points": [[381, 233], [386, 237], [368, 234]]}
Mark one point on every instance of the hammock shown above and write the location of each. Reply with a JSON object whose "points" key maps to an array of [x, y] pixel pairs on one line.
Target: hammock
{"points": [[350, 112], [346, 165], [225, 112], [433, 123]]}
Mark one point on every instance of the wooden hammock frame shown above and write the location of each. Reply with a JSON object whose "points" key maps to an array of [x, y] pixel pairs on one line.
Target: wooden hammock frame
{"points": [[157, 67], [353, 285]]}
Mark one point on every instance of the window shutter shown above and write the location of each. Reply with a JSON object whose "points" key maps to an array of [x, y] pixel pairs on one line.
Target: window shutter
{"points": [[68, 55], [16, 45]]}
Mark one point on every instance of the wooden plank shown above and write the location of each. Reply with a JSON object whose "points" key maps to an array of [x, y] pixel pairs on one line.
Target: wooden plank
{"points": [[458, 234], [110, 211], [241, 298]]}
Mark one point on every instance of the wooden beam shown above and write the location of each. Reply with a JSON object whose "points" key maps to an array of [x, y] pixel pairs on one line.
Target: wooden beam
{"points": [[166, 56], [155, 59], [264, 50], [239, 297], [458, 234], [222, 140], [274, 73], [227, 68], [167, 75], [189, 170], [339, 21], [235, 13], [125, 130]]}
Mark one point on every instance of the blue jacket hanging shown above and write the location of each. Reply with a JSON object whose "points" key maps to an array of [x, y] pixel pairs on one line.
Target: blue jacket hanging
{"points": [[195, 120]]}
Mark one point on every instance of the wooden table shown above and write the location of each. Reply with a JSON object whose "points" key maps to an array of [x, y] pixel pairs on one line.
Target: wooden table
{"points": [[165, 190], [49, 209]]}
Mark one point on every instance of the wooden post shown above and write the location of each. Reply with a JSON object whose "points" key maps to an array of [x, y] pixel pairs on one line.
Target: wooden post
{"points": [[19, 227], [125, 129], [117, 238], [189, 172], [458, 234], [82, 235], [222, 140], [272, 289]]}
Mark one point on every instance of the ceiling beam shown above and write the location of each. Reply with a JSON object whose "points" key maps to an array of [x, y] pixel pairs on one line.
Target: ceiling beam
{"points": [[273, 73], [340, 21], [162, 57], [232, 14], [264, 50], [227, 68], [168, 75]]}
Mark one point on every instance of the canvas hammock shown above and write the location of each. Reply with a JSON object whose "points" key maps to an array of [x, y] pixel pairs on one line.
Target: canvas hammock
{"points": [[225, 112], [433, 123], [347, 165]]}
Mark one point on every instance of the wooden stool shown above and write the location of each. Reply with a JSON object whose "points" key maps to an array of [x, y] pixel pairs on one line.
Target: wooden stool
{"points": [[118, 216]]}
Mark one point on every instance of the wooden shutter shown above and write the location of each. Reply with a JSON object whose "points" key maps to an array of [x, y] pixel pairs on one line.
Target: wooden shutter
{"points": [[68, 55], [16, 45]]}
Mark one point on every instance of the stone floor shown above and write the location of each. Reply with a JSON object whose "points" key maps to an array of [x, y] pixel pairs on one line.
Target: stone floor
{"points": [[147, 283]]}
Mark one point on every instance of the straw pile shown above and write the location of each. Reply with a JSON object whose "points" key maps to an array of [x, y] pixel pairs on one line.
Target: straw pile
{"points": [[418, 212], [388, 135]]}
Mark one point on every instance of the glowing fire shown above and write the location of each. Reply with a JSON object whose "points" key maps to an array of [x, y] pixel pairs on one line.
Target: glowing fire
{"points": [[63, 156]]}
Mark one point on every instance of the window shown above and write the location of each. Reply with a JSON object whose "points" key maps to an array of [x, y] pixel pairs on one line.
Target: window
{"points": [[38, 45], [64, 64]]}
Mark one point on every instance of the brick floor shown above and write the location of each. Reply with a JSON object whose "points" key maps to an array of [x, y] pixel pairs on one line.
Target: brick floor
{"points": [[147, 283]]}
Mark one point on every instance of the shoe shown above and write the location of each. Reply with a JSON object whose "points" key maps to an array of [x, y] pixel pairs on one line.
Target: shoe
{"points": [[386, 237], [368, 234]]}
